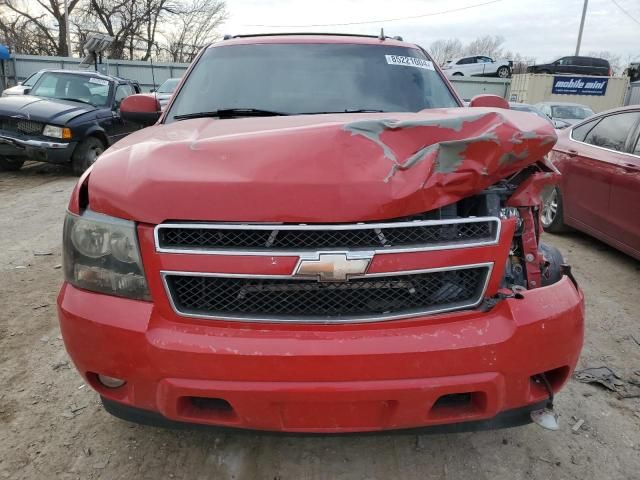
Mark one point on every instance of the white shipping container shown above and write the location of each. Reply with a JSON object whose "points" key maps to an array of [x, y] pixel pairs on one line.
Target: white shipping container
{"points": [[535, 87], [469, 87], [633, 97]]}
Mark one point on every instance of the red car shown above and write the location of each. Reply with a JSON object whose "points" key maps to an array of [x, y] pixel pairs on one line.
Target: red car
{"points": [[600, 189], [314, 236]]}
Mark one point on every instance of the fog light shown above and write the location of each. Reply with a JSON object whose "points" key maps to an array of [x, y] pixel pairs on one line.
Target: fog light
{"points": [[111, 382]]}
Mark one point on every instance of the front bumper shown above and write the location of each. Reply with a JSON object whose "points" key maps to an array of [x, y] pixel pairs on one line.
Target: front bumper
{"points": [[50, 151], [439, 369]]}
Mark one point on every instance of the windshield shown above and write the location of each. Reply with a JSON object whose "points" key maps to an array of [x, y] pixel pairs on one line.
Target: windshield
{"points": [[570, 112], [169, 85], [29, 82], [521, 107], [77, 88], [312, 78]]}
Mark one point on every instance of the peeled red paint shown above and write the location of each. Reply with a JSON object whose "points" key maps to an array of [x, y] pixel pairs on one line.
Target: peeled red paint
{"points": [[314, 168]]}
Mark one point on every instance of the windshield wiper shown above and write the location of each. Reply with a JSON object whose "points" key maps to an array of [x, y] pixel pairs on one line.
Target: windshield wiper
{"points": [[232, 112], [76, 100], [348, 110]]}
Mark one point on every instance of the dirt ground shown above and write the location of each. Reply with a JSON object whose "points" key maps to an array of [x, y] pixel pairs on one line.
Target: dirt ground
{"points": [[52, 425]]}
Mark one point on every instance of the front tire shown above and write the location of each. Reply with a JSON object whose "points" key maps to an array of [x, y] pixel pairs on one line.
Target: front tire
{"points": [[504, 72], [552, 216], [86, 154], [10, 164]]}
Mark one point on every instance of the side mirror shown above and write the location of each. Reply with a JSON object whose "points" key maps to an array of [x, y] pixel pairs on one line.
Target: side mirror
{"points": [[26, 91], [487, 100], [19, 83], [152, 90], [140, 108]]}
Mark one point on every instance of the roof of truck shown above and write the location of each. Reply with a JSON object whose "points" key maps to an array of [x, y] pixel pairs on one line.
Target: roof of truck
{"points": [[89, 73], [313, 38]]}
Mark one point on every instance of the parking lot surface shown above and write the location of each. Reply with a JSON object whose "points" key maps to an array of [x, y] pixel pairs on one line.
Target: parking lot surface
{"points": [[52, 424]]}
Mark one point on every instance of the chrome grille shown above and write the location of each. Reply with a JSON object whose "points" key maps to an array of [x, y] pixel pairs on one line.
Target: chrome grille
{"points": [[231, 238], [366, 298], [28, 127]]}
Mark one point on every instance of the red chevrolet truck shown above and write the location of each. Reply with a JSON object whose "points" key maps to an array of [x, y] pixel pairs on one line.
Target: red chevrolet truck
{"points": [[315, 236]]}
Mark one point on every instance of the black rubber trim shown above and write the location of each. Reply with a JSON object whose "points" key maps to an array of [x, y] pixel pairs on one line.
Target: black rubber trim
{"points": [[507, 419]]}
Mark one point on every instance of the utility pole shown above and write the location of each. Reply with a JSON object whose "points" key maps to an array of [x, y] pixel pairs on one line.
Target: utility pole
{"points": [[66, 21], [584, 14]]}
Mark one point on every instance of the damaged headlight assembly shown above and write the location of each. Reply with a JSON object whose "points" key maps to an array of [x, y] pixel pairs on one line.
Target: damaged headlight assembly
{"points": [[101, 254]]}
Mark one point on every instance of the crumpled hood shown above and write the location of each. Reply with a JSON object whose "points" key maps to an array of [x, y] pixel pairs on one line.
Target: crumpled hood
{"points": [[314, 168], [57, 112]]}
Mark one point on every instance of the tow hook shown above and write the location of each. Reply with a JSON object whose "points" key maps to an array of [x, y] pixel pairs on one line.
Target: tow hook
{"points": [[546, 417]]}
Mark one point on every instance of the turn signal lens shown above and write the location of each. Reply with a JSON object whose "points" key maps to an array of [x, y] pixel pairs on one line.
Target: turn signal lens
{"points": [[57, 132]]}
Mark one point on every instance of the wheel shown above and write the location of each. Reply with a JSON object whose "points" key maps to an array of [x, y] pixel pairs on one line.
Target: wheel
{"points": [[552, 216], [457, 74], [86, 154], [504, 72], [8, 164]]}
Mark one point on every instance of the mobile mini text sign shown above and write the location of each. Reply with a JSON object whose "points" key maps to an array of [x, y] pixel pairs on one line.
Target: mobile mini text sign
{"points": [[579, 85]]}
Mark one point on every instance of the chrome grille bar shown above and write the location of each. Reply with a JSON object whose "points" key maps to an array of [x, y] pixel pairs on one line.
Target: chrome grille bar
{"points": [[290, 239], [288, 299]]}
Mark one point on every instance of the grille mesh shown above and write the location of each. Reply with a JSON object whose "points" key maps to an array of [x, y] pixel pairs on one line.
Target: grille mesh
{"points": [[28, 127], [196, 238], [367, 297]]}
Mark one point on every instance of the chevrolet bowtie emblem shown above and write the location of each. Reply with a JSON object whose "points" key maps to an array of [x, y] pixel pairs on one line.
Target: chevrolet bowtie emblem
{"points": [[332, 267]]}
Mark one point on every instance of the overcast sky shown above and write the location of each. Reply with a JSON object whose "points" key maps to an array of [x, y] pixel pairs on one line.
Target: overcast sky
{"points": [[543, 29]]}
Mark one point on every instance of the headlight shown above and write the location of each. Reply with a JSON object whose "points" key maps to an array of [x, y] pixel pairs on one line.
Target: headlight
{"points": [[101, 254], [57, 132]]}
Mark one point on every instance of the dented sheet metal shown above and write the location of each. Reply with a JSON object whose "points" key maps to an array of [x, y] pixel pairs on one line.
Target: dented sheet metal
{"points": [[315, 168], [533, 189], [472, 146]]}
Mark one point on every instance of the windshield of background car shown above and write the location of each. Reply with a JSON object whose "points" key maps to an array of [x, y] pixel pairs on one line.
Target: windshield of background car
{"points": [[528, 108], [78, 88], [169, 85], [312, 78], [571, 112], [31, 81]]}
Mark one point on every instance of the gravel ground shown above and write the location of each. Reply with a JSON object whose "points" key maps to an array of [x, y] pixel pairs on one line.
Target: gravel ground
{"points": [[52, 425]]}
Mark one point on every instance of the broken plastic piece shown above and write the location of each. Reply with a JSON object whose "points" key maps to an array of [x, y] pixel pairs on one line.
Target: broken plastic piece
{"points": [[546, 417], [577, 425]]}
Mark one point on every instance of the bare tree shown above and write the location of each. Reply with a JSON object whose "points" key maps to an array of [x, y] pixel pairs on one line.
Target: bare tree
{"points": [[50, 26], [490, 45], [20, 35], [176, 29], [445, 49], [157, 12], [120, 19], [520, 63], [197, 21]]}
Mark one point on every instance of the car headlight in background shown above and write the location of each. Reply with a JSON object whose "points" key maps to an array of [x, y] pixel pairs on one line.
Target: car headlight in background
{"points": [[101, 254], [57, 132]]}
